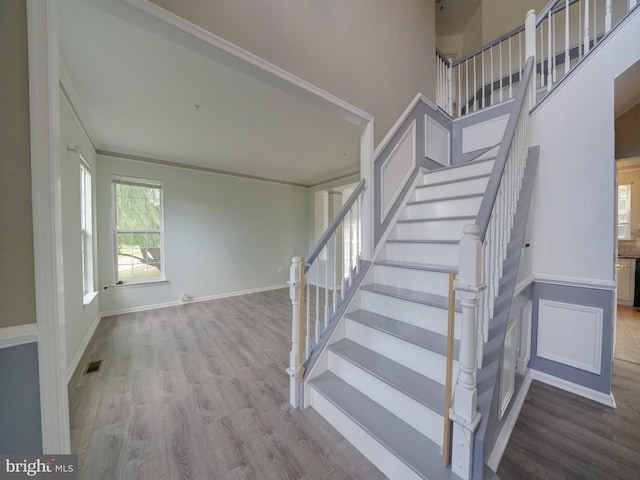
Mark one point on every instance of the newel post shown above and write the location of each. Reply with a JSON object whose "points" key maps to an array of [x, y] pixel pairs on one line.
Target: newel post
{"points": [[464, 412], [295, 370], [530, 51]]}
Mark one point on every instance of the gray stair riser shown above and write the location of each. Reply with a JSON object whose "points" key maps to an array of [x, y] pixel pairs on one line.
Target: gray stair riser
{"points": [[453, 207], [420, 417], [418, 359], [445, 254], [462, 187], [413, 279], [430, 230], [468, 170], [424, 316], [377, 453]]}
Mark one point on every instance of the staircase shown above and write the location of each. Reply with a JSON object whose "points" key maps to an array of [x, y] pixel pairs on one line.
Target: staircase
{"points": [[384, 388]]}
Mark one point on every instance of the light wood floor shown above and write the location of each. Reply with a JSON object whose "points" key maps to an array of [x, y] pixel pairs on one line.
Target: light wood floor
{"points": [[200, 392], [560, 436], [628, 334]]}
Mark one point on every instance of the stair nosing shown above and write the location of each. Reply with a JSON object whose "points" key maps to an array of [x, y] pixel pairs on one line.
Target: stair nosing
{"points": [[453, 197], [446, 182], [438, 219], [418, 266]]}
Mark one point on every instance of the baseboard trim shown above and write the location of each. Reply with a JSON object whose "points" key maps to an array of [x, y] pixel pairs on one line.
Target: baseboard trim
{"points": [[71, 368], [18, 335], [195, 300], [603, 398], [509, 424]]}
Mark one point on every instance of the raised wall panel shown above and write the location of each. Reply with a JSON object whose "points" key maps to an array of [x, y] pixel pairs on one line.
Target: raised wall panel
{"points": [[484, 134], [397, 169], [570, 334], [437, 141]]}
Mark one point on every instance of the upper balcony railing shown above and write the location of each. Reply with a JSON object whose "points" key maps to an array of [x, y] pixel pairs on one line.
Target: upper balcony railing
{"points": [[566, 30]]}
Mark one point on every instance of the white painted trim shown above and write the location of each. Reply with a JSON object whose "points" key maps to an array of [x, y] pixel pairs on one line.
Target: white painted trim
{"points": [[574, 388], [47, 223], [508, 425], [430, 122], [344, 109], [547, 321], [526, 320], [396, 126], [594, 283], [411, 131], [522, 286], [195, 300], [71, 368], [18, 335]]}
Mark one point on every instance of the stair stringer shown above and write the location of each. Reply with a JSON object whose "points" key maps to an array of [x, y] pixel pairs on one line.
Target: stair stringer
{"points": [[488, 376]]}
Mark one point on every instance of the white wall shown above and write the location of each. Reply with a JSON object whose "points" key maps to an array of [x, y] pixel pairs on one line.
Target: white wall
{"points": [[572, 219], [223, 234], [374, 55], [80, 320]]}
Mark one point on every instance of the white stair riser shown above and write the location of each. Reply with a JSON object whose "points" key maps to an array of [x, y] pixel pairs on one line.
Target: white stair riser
{"points": [[412, 279], [442, 208], [420, 417], [433, 230], [425, 362], [424, 316], [491, 153], [463, 187], [433, 253], [377, 454], [468, 170]]}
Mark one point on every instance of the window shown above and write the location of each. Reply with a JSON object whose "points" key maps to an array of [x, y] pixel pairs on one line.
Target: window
{"points": [[138, 230], [624, 212], [86, 228]]}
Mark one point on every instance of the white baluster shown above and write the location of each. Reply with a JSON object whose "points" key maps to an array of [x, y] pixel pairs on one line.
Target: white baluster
{"points": [[466, 82], [567, 56], [580, 44], [317, 318], [595, 18], [464, 412], [459, 92], [542, 76], [500, 51], [491, 87], [307, 351], [607, 17], [475, 85], [586, 27], [449, 90], [482, 98], [530, 50], [549, 69], [632, 3], [510, 72]]}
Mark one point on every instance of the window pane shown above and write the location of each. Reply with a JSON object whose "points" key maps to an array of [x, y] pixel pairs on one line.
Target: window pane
{"points": [[138, 230]]}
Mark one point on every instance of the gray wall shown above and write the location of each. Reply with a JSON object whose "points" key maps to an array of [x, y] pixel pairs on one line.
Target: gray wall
{"points": [[17, 287], [19, 388], [20, 430], [223, 234], [374, 55], [627, 139]]}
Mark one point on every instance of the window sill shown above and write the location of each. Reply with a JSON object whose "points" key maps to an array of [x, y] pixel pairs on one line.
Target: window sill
{"points": [[88, 298], [141, 284]]}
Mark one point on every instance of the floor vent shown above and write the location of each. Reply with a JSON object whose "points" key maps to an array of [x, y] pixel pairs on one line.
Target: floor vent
{"points": [[93, 366]]}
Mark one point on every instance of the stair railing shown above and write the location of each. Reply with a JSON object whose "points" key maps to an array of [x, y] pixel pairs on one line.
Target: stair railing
{"points": [[482, 252], [321, 283], [566, 30]]}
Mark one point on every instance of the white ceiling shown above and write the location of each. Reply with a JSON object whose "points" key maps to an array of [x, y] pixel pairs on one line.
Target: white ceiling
{"points": [[627, 90], [143, 88]]}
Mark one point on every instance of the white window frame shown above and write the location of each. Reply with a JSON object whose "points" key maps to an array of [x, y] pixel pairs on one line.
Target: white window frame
{"points": [[86, 232], [626, 212], [119, 179]]}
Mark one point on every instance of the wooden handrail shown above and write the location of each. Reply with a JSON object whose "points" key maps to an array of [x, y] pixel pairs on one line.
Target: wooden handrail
{"points": [[446, 442]]}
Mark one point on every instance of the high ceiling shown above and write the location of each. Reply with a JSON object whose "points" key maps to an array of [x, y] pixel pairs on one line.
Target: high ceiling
{"points": [[143, 88]]}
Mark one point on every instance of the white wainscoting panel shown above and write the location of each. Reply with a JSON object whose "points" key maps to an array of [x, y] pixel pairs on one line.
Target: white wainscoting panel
{"points": [[525, 337], [397, 169], [508, 369], [437, 141], [570, 334], [484, 134]]}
